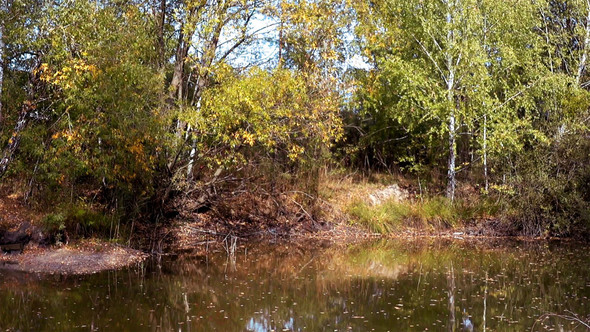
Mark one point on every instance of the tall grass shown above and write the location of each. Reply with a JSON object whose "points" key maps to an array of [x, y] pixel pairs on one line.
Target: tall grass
{"points": [[435, 213]]}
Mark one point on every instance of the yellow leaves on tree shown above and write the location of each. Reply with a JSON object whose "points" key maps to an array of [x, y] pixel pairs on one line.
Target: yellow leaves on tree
{"points": [[74, 72], [261, 113]]}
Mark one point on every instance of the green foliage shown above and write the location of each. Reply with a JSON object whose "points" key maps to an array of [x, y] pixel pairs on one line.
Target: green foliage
{"points": [[105, 129], [136, 102], [77, 220], [420, 61], [123, 121], [551, 189], [54, 223], [519, 94]]}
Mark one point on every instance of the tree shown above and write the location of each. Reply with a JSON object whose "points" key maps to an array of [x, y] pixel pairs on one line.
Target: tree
{"points": [[19, 83], [105, 128], [3, 14], [211, 34], [432, 56]]}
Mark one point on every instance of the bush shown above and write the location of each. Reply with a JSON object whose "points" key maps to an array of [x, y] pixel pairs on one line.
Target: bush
{"points": [[77, 220], [55, 226], [551, 189]]}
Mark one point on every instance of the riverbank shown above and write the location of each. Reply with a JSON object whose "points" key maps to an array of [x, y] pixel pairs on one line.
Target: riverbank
{"points": [[84, 257], [350, 210], [28, 247]]}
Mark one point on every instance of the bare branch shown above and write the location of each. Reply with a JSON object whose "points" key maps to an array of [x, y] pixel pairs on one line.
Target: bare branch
{"points": [[429, 55]]}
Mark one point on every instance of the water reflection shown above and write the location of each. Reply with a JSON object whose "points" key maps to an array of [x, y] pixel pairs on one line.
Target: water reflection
{"points": [[262, 324], [382, 286], [451, 295]]}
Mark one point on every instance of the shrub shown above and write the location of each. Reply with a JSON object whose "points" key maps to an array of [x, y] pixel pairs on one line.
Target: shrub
{"points": [[77, 220]]}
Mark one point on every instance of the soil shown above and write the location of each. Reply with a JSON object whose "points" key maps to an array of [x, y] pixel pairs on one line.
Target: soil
{"points": [[85, 257], [13, 212], [193, 230]]}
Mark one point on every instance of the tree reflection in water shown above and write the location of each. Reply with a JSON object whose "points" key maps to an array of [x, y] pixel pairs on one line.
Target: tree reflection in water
{"points": [[385, 285]]}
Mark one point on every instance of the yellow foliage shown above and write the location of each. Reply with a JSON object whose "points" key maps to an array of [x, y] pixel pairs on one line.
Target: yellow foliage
{"points": [[68, 75], [295, 151], [248, 138], [287, 116]]}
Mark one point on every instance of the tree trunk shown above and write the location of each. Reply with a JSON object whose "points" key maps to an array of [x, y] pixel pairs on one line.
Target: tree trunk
{"points": [[281, 28], [485, 49], [583, 59], [14, 140], [161, 21], [2, 46], [175, 92], [547, 41], [191, 159], [201, 84], [23, 119], [451, 181], [485, 151]]}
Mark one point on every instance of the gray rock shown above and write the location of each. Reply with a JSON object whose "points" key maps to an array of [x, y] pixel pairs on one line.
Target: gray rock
{"points": [[390, 192]]}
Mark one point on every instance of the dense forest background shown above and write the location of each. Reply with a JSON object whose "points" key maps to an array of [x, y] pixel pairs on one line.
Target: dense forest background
{"points": [[134, 109]]}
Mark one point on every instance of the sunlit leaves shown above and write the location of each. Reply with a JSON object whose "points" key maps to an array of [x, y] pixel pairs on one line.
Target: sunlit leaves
{"points": [[105, 94], [313, 33], [245, 116]]}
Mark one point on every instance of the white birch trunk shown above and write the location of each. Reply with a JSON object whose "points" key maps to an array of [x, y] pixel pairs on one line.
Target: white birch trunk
{"points": [[192, 154], [451, 184], [191, 158], [485, 150], [451, 181], [485, 114], [583, 59]]}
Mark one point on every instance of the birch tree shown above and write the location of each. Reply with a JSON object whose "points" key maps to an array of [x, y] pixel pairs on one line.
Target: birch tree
{"points": [[434, 66], [20, 53]]}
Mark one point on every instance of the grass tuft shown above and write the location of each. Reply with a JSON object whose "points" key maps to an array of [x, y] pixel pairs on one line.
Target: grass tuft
{"points": [[435, 213]]}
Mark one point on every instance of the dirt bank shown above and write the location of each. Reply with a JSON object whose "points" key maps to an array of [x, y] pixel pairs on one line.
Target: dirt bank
{"points": [[83, 258], [193, 230], [21, 230]]}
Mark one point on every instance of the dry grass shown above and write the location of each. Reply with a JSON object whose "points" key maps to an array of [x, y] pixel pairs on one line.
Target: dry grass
{"points": [[348, 197], [13, 212], [340, 190]]}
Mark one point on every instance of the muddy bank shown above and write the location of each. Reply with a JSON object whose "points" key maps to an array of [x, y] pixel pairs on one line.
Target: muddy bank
{"points": [[200, 233], [25, 246], [83, 258], [195, 231], [92, 256]]}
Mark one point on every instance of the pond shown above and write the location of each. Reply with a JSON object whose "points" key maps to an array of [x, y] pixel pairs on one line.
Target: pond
{"points": [[385, 285]]}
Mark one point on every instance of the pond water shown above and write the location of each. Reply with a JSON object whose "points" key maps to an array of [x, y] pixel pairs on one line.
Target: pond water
{"points": [[393, 285]]}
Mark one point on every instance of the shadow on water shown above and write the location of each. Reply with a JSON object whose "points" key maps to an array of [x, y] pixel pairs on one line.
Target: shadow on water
{"points": [[382, 286]]}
